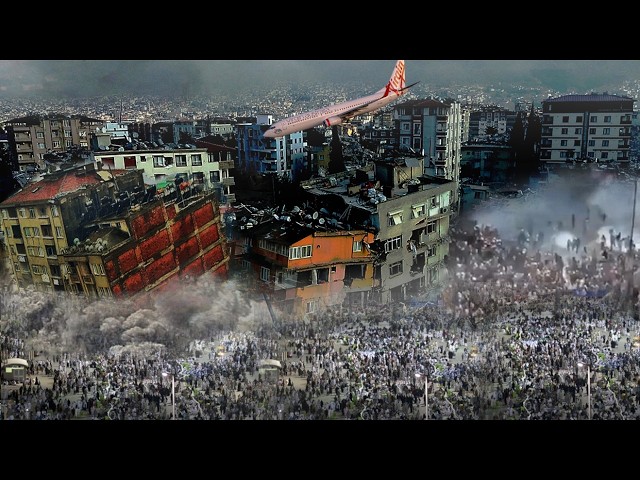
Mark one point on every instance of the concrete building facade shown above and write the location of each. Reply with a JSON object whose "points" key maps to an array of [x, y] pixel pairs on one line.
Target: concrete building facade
{"points": [[35, 136], [590, 127], [435, 128]]}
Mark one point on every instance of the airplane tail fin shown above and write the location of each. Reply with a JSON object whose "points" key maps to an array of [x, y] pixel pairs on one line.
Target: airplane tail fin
{"points": [[396, 83]]}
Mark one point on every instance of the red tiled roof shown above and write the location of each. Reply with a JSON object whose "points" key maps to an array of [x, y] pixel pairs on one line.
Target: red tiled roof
{"points": [[49, 187]]}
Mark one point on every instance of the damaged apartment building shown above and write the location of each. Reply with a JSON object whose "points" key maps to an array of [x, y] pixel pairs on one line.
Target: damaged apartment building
{"points": [[379, 236], [100, 233]]}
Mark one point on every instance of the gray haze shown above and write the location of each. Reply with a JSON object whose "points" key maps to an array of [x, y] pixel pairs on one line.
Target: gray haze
{"points": [[87, 78]]}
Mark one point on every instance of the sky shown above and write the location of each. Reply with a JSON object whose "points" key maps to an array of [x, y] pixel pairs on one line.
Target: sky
{"points": [[87, 78]]}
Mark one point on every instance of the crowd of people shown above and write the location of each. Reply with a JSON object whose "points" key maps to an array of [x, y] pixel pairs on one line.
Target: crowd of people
{"points": [[512, 337]]}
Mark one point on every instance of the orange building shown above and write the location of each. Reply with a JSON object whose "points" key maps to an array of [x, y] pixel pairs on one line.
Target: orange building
{"points": [[303, 271]]}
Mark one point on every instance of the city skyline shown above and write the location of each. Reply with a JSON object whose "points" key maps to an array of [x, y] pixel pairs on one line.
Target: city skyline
{"points": [[86, 78]]}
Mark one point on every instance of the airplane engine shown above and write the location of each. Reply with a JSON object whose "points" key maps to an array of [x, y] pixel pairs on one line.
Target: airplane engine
{"points": [[331, 121]]}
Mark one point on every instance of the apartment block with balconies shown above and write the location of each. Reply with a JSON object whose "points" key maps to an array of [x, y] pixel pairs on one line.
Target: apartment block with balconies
{"points": [[35, 136], [594, 127]]}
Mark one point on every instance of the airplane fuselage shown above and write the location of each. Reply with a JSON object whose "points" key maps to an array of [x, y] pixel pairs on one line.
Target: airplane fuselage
{"points": [[330, 115], [343, 112]]}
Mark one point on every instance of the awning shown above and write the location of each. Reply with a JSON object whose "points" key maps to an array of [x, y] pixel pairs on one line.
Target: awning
{"points": [[16, 361]]}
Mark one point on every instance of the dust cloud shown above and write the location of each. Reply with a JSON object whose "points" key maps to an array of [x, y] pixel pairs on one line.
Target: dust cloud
{"points": [[164, 320]]}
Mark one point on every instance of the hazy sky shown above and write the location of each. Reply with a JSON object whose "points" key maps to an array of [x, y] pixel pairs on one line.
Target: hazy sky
{"points": [[68, 78]]}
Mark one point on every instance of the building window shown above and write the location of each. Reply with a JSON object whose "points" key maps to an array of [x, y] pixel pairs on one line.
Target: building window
{"points": [[564, 131], [431, 251], [130, 162], [578, 131], [395, 218], [433, 226], [56, 144], [607, 119], [32, 212], [158, 161], [592, 143], [565, 119], [41, 146], [51, 251], [395, 268], [300, 252], [576, 143], [39, 134], [357, 245], [104, 292], [593, 118], [578, 118], [393, 244], [39, 269], [196, 160], [108, 163], [143, 158], [312, 306], [264, 274], [604, 155], [46, 231], [563, 143], [418, 210], [605, 143], [97, 268], [54, 211], [59, 232], [181, 160], [606, 131], [592, 131], [214, 177]]}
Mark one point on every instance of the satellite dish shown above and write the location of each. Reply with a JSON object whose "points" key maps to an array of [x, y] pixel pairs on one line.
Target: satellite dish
{"points": [[315, 215], [296, 209], [321, 221]]}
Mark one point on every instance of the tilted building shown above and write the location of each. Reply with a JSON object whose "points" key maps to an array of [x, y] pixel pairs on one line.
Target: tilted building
{"points": [[102, 233]]}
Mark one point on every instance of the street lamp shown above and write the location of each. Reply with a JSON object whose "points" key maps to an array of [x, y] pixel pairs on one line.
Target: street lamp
{"points": [[173, 395], [426, 395], [582, 364]]}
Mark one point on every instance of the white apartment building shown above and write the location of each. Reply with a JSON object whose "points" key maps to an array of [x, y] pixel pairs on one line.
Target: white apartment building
{"points": [[161, 167], [594, 126]]}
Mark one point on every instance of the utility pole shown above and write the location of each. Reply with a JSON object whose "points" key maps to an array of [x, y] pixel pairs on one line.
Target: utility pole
{"points": [[633, 216], [631, 257]]}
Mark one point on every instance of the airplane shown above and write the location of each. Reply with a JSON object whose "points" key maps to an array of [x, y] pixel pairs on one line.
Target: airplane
{"points": [[342, 112]]}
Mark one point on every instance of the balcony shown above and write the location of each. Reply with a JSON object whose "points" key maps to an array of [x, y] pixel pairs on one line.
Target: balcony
{"points": [[74, 278], [228, 181], [87, 279], [226, 164], [231, 197]]}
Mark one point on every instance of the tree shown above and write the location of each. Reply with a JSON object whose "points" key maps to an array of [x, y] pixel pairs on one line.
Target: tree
{"points": [[315, 138], [336, 159], [532, 140], [8, 184], [490, 131], [185, 137]]}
